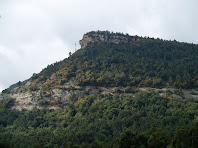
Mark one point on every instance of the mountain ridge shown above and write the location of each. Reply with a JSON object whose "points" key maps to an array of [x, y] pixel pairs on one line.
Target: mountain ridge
{"points": [[106, 36], [110, 60], [109, 93]]}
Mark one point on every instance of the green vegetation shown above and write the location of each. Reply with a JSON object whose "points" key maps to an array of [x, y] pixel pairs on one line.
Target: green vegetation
{"points": [[141, 119], [144, 119], [144, 63]]}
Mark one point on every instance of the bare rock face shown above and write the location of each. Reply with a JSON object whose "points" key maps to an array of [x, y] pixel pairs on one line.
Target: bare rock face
{"points": [[106, 36], [58, 98], [86, 39]]}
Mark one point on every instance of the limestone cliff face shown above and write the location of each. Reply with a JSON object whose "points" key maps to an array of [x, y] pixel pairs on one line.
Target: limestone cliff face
{"points": [[55, 98], [59, 98], [106, 36]]}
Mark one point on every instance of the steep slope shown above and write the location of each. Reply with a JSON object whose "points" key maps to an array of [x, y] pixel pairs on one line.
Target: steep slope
{"points": [[116, 91], [128, 62], [108, 62]]}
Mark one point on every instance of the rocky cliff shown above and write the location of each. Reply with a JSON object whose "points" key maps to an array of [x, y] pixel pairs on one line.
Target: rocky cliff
{"points": [[55, 98], [106, 36], [58, 98]]}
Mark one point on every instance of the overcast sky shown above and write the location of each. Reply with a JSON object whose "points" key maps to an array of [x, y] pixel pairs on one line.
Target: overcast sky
{"points": [[35, 33]]}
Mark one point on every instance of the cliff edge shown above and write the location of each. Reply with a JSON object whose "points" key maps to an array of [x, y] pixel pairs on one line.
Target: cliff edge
{"points": [[106, 36]]}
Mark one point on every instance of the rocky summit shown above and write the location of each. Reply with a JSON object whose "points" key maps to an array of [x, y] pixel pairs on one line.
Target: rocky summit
{"points": [[106, 36]]}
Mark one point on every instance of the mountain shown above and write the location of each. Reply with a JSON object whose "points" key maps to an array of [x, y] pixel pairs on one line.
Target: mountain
{"points": [[116, 91], [109, 61]]}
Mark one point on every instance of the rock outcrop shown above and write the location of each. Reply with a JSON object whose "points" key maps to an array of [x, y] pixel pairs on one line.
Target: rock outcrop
{"points": [[58, 98], [106, 36]]}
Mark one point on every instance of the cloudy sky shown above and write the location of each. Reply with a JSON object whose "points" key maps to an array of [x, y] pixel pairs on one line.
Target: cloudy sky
{"points": [[35, 33]]}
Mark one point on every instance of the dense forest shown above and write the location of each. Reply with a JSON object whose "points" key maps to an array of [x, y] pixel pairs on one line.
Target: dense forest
{"points": [[144, 119]]}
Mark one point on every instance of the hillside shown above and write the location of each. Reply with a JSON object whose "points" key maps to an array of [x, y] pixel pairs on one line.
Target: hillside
{"points": [[108, 62], [136, 61], [116, 91]]}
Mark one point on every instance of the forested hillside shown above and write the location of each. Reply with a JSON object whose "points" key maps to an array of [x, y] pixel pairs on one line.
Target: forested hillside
{"points": [[97, 97], [146, 62], [144, 119]]}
